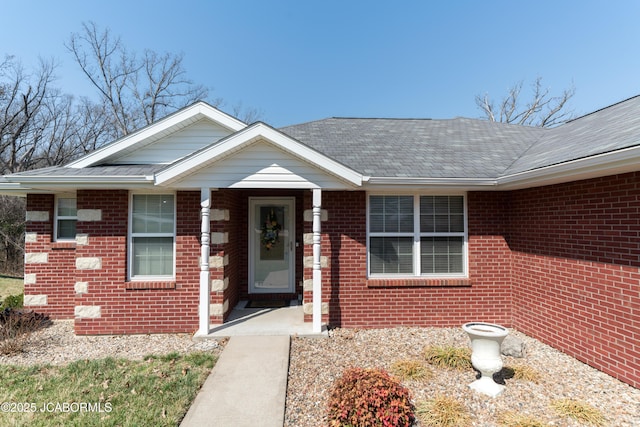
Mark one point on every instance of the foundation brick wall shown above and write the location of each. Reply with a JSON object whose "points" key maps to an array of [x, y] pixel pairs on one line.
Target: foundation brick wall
{"points": [[576, 283]]}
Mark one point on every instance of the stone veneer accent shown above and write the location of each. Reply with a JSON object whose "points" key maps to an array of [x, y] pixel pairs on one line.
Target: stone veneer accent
{"points": [[35, 300], [308, 215], [218, 285], [89, 263], [88, 312], [219, 215], [39, 216], [82, 239], [307, 308], [218, 261], [36, 258], [89, 214], [219, 238], [81, 287], [308, 262], [30, 237], [219, 309], [29, 279]]}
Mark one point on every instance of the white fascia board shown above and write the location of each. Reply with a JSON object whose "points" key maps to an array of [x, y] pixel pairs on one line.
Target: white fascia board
{"points": [[246, 137], [198, 109], [375, 182], [613, 163]]}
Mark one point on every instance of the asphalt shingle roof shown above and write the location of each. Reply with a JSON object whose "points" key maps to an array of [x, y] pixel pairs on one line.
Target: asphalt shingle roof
{"points": [[612, 128], [452, 148]]}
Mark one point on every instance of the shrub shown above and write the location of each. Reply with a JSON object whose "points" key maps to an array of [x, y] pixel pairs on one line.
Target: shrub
{"points": [[580, 411], [514, 419], [12, 301], [369, 397], [443, 411], [449, 357], [16, 327], [521, 372], [410, 370]]}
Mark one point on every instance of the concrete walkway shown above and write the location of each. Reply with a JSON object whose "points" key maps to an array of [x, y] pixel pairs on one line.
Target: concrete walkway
{"points": [[247, 386]]}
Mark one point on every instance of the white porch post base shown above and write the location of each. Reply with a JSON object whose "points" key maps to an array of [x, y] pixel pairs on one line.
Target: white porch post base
{"points": [[317, 272], [205, 275]]}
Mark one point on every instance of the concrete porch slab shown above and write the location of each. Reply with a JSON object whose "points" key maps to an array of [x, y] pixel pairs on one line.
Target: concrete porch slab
{"points": [[288, 321]]}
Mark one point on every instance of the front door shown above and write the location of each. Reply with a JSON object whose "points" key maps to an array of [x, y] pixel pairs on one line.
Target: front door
{"points": [[271, 245]]}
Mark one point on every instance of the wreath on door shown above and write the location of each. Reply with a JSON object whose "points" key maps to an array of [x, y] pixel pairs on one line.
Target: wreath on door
{"points": [[270, 231]]}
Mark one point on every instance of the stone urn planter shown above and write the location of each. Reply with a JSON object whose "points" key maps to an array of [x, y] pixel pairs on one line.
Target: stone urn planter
{"points": [[486, 339]]}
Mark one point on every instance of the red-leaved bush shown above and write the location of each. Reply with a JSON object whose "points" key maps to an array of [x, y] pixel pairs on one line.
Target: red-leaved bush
{"points": [[369, 398]]}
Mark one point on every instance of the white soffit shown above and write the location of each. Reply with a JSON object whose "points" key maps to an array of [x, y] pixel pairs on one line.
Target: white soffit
{"points": [[262, 134], [158, 130]]}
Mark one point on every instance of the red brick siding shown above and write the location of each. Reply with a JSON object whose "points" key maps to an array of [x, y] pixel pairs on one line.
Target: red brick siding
{"points": [[576, 251], [356, 302]]}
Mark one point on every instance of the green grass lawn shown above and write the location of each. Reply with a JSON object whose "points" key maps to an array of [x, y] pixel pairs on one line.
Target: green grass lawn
{"points": [[10, 286], [108, 392]]}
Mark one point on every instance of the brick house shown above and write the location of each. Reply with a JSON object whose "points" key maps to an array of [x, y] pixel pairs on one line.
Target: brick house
{"points": [[369, 222]]}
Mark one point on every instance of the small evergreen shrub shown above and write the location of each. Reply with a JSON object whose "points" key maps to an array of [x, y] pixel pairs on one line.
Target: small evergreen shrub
{"points": [[12, 301], [369, 398]]}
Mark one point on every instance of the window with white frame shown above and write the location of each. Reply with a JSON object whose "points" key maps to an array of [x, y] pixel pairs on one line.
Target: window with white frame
{"points": [[414, 235], [152, 236], [66, 218]]}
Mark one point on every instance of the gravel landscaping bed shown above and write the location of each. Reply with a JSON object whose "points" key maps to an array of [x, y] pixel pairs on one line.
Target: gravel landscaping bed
{"points": [[315, 363], [57, 345]]}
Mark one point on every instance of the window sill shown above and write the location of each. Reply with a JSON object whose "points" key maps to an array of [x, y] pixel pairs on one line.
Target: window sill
{"points": [[417, 282], [149, 285], [63, 245]]}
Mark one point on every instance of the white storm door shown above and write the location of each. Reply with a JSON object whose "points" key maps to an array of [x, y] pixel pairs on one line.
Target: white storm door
{"points": [[271, 245]]}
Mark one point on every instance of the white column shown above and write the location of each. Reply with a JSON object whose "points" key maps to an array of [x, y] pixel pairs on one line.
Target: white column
{"points": [[317, 272], [205, 275]]}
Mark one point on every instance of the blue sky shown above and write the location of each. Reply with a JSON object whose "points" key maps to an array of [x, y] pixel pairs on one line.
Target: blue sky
{"points": [[303, 60]]}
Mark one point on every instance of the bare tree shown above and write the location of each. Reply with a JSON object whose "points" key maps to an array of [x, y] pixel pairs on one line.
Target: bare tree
{"points": [[137, 90], [22, 98], [541, 109]]}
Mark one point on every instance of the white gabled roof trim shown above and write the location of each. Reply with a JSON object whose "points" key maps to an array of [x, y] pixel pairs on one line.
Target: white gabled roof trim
{"points": [[197, 110], [247, 136]]}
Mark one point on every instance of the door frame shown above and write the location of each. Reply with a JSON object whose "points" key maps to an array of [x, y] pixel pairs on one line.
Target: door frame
{"points": [[252, 240]]}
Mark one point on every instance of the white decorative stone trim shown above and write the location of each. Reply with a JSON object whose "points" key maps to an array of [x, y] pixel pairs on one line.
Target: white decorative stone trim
{"points": [[89, 263], [308, 215], [218, 261], [308, 262], [219, 309], [29, 279], [89, 214], [307, 308], [307, 238], [219, 214], [219, 238], [218, 285], [36, 258], [34, 300], [88, 311], [307, 285], [37, 216], [82, 239], [81, 287], [30, 237]]}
